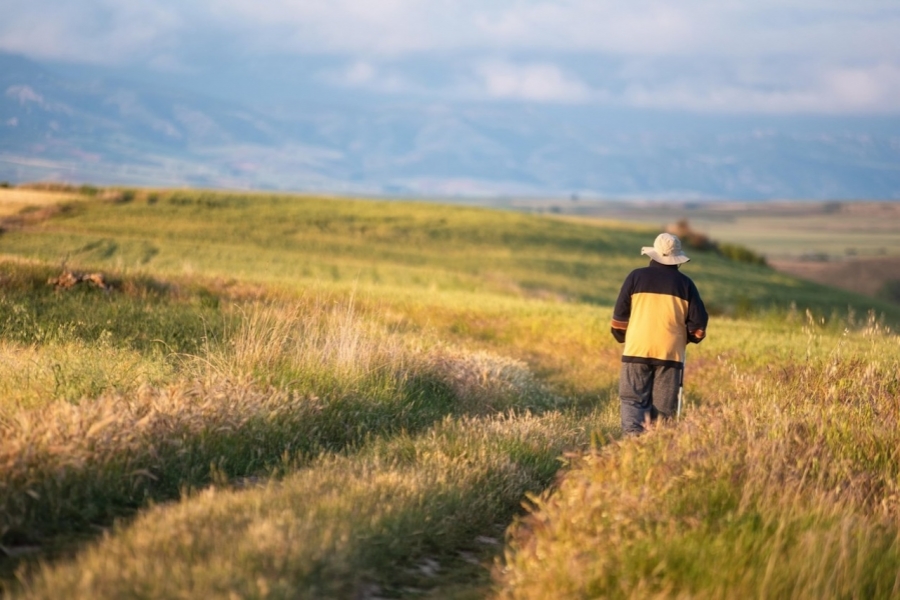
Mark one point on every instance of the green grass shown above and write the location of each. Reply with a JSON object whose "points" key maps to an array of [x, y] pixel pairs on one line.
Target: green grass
{"points": [[290, 240], [777, 229], [343, 526], [81, 343], [143, 314], [784, 483], [305, 397], [291, 384]]}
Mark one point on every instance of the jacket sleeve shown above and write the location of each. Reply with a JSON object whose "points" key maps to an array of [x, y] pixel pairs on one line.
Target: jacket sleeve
{"points": [[697, 317], [622, 311]]}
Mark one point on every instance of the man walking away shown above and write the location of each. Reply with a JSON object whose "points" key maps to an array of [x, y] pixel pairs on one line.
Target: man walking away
{"points": [[658, 312]]}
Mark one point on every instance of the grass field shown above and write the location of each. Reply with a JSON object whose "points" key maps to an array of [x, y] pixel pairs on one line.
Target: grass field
{"points": [[853, 245], [778, 229], [15, 201], [285, 396]]}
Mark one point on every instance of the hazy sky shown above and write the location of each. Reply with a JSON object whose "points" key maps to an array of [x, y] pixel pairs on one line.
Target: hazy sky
{"points": [[733, 56]]}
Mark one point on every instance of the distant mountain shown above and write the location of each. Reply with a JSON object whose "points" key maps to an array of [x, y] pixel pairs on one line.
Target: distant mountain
{"points": [[111, 131], [114, 132]]}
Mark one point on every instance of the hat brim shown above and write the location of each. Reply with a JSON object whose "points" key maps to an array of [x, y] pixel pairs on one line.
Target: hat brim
{"points": [[678, 259]]}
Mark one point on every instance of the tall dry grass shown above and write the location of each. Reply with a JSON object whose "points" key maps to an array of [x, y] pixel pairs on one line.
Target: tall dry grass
{"points": [[785, 484], [34, 375], [271, 342], [397, 461], [383, 523], [327, 344], [288, 385]]}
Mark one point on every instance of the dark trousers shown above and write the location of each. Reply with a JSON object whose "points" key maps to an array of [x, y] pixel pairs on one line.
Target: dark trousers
{"points": [[647, 392]]}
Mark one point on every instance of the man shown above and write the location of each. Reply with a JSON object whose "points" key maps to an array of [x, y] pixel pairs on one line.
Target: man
{"points": [[658, 312]]}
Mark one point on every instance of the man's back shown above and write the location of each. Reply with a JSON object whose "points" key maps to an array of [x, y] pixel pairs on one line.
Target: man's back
{"points": [[658, 307], [658, 311]]}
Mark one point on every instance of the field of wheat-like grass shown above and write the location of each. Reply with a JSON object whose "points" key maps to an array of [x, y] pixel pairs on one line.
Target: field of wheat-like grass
{"points": [[281, 396], [785, 483]]}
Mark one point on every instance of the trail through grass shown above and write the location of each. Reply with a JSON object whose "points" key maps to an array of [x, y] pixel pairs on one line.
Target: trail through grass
{"points": [[290, 384], [306, 397], [345, 526], [282, 387]]}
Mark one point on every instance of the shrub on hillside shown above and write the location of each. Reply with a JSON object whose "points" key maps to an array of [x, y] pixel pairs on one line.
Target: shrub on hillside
{"points": [[689, 237], [700, 241], [118, 196], [740, 254]]}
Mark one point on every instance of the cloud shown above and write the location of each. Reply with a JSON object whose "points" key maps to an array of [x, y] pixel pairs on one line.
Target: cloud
{"points": [[98, 32], [367, 76], [766, 55], [863, 89], [359, 73], [872, 90], [342, 27], [391, 28], [638, 28], [539, 82], [542, 82]]}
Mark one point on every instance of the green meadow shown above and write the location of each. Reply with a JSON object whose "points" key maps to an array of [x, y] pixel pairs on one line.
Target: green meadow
{"points": [[283, 396]]}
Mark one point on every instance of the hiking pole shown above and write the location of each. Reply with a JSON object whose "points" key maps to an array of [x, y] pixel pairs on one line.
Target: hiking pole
{"points": [[681, 387]]}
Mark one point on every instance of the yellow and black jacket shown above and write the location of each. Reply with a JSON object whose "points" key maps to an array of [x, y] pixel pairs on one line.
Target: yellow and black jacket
{"points": [[658, 312]]}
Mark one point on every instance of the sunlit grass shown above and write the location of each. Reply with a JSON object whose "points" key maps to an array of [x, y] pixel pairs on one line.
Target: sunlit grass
{"points": [[18, 201], [783, 483], [294, 381], [31, 376], [351, 399], [276, 239]]}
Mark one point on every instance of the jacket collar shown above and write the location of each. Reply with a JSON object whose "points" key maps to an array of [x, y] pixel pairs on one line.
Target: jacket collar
{"points": [[657, 265]]}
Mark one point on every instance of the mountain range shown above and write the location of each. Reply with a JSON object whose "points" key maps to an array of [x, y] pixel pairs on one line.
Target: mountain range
{"points": [[57, 124]]}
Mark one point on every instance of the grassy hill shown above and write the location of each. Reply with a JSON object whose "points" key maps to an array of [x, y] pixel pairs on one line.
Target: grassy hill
{"points": [[349, 398], [289, 240]]}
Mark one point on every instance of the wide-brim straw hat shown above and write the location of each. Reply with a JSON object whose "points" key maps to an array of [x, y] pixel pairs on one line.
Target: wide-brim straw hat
{"points": [[666, 250]]}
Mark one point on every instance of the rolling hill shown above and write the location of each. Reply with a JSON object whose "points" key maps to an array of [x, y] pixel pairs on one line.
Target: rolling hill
{"points": [[300, 396]]}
